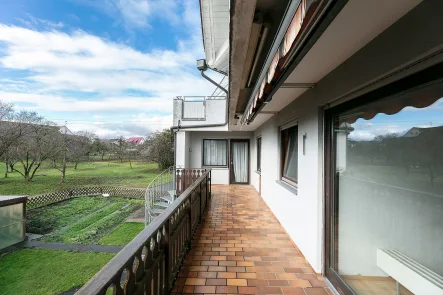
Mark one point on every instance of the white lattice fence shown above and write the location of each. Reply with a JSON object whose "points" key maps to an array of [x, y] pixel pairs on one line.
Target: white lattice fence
{"points": [[50, 198]]}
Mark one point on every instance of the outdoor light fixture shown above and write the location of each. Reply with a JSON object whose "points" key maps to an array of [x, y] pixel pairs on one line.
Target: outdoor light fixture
{"points": [[201, 65]]}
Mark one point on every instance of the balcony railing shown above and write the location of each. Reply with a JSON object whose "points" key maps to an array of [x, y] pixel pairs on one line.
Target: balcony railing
{"points": [[194, 108], [165, 187], [150, 263]]}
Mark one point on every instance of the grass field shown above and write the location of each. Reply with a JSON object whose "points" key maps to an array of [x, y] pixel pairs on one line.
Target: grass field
{"points": [[83, 220], [47, 272], [123, 234], [47, 179], [87, 220]]}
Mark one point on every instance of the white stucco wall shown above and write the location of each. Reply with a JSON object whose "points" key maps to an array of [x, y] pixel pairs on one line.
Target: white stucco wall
{"points": [[301, 214], [218, 175], [180, 148], [214, 110]]}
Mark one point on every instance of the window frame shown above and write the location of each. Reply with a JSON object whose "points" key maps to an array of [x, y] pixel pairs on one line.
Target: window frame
{"points": [[258, 164], [331, 185], [284, 145], [226, 154]]}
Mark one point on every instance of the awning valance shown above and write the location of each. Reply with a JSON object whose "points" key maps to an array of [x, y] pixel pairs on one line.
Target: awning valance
{"points": [[304, 13]]}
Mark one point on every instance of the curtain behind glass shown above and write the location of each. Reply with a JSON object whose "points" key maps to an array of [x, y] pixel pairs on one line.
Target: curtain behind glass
{"points": [[240, 161], [214, 152], [291, 161]]}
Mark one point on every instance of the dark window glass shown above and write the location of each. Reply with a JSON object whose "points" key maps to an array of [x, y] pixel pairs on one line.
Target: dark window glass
{"points": [[289, 154], [259, 154], [388, 192]]}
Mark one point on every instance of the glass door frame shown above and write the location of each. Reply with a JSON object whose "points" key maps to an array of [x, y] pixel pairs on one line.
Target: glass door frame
{"points": [[231, 161], [418, 79]]}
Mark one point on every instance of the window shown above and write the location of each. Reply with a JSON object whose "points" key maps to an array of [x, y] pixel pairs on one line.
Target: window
{"points": [[289, 154], [385, 191], [258, 153], [215, 152]]}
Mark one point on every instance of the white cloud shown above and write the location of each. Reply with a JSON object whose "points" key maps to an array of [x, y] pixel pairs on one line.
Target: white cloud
{"points": [[138, 125], [80, 61], [54, 66], [34, 23], [368, 131]]}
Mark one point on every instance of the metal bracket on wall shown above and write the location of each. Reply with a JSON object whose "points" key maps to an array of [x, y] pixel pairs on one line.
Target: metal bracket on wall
{"points": [[298, 85]]}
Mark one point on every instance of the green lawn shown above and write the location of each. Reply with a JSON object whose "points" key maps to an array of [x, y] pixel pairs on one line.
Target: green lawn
{"points": [[123, 234], [45, 272], [47, 179]]}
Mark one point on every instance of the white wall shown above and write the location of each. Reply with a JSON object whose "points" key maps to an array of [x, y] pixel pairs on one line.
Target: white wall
{"points": [[218, 175], [214, 113], [180, 148], [301, 214]]}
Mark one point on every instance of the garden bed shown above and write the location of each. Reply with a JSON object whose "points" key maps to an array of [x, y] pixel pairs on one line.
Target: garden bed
{"points": [[82, 220]]}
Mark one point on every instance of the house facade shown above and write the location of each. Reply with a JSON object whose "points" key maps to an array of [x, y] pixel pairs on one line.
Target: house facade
{"points": [[313, 87]]}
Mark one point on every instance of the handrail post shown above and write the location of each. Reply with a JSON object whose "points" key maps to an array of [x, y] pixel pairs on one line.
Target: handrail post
{"points": [[201, 202], [168, 257], [190, 220], [210, 183]]}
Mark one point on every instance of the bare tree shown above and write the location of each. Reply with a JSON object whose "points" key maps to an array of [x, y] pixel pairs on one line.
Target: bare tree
{"points": [[121, 147], [78, 148], [41, 142], [6, 110], [159, 147], [100, 147], [13, 125], [11, 158], [91, 137]]}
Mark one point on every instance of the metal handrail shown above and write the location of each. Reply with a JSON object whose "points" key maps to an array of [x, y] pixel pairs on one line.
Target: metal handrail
{"points": [[210, 97], [159, 187], [150, 263]]}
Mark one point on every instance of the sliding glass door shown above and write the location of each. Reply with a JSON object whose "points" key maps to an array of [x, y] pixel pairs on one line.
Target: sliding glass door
{"points": [[384, 184]]}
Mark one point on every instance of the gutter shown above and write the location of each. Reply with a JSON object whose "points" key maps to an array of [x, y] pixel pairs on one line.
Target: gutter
{"points": [[177, 128]]}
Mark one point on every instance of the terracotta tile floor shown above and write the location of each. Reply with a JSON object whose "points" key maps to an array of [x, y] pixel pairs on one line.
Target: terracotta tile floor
{"points": [[241, 248]]}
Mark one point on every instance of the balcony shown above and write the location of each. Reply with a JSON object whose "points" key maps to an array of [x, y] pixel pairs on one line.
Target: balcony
{"points": [[199, 110], [224, 241]]}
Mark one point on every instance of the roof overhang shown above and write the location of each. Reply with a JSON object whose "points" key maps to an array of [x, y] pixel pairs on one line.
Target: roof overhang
{"points": [[215, 32]]}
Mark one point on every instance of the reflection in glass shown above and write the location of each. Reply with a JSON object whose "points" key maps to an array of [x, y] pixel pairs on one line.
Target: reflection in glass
{"points": [[11, 225], [389, 181]]}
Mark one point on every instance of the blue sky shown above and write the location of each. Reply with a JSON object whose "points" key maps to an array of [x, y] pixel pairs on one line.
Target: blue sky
{"points": [[107, 66]]}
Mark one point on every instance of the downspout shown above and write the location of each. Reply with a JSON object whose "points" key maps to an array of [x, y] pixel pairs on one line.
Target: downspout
{"points": [[177, 128]]}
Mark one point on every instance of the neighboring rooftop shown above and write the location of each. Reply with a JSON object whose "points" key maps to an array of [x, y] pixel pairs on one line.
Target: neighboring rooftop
{"points": [[135, 140]]}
